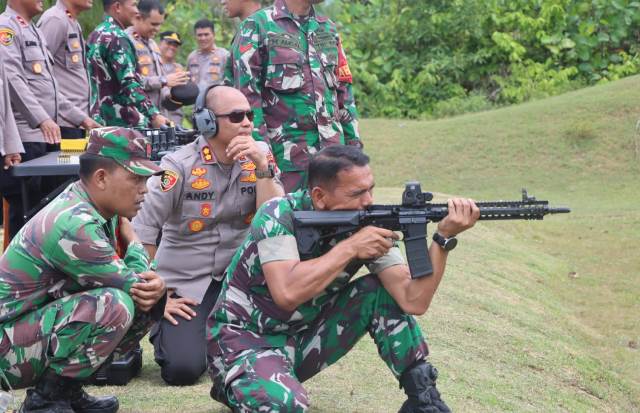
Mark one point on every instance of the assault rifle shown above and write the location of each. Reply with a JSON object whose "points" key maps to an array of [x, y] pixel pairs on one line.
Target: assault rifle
{"points": [[167, 139], [314, 228]]}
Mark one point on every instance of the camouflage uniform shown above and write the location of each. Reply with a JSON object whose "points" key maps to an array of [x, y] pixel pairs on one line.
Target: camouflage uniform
{"points": [[64, 302], [259, 353], [295, 75], [117, 95]]}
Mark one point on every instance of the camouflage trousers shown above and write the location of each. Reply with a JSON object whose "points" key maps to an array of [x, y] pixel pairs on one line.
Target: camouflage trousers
{"points": [[269, 379], [72, 336]]}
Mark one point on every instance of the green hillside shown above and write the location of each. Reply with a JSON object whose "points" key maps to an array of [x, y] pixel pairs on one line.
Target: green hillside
{"points": [[531, 316]]}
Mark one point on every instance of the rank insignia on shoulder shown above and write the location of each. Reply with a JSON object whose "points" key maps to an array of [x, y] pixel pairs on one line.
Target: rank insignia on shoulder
{"points": [[198, 171], [168, 180], [200, 184], [6, 36], [251, 177], [139, 45], [205, 209], [196, 225]]}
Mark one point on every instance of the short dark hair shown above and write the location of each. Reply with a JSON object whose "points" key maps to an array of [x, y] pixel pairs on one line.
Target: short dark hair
{"points": [[108, 3], [203, 24], [327, 163], [145, 7], [90, 162]]}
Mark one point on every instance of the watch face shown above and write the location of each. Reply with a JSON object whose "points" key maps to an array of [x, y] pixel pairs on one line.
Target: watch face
{"points": [[450, 244]]}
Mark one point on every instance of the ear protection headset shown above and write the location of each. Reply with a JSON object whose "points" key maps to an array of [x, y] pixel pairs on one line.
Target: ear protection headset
{"points": [[203, 119]]}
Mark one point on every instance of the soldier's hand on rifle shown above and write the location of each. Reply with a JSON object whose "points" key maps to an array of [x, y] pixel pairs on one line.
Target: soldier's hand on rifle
{"points": [[244, 145], [146, 294], [177, 78], [179, 307], [371, 242], [463, 214], [51, 131], [88, 124], [158, 120], [11, 159]]}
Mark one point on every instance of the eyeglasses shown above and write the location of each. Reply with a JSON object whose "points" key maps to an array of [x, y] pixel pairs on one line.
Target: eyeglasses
{"points": [[237, 116]]}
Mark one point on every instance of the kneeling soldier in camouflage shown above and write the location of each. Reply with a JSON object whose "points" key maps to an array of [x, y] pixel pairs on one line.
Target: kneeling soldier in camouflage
{"points": [[280, 320], [67, 300]]}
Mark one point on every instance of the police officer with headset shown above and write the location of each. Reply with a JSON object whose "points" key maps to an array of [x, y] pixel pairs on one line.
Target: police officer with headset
{"points": [[203, 203]]}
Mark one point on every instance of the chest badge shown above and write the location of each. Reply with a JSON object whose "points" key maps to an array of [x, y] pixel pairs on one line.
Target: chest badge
{"points": [[169, 180], [144, 71], [75, 58], [75, 44], [37, 68], [200, 184], [205, 209], [248, 166], [249, 218], [196, 225], [198, 171], [250, 177]]}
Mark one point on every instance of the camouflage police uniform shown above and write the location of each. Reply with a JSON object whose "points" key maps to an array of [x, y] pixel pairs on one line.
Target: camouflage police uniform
{"points": [[64, 302], [117, 94], [66, 43], [259, 354], [295, 75], [207, 67], [203, 209], [149, 67], [35, 98]]}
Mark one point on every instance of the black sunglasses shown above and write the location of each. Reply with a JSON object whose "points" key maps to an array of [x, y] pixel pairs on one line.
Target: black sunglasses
{"points": [[237, 116]]}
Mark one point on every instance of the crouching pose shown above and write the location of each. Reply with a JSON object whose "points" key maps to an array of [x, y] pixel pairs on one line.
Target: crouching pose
{"points": [[280, 320], [67, 300]]}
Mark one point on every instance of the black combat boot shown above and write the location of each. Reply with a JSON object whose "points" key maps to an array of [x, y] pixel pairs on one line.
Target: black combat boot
{"points": [[49, 396], [82, 402], [419, 383]]}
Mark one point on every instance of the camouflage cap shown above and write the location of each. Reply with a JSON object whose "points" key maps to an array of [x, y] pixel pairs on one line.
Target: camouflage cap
{"points": [[126, 146]]}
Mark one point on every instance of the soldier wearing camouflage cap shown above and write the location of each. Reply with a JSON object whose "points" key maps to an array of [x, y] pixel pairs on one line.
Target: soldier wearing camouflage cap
{"points": [[282, 318], [289, 62], [68, 300]]}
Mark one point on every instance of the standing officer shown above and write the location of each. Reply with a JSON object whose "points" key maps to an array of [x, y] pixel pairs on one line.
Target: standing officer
{"points": [[66, 43], [289, 63], [36, 100], [240, 9], [169, 43], [10, 143], [203, 204], [145, 26], [206, 64], [117, 94], [67, 299]]}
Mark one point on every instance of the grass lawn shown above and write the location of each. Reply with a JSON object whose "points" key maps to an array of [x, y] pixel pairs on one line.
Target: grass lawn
{"points": [[531, 316]]}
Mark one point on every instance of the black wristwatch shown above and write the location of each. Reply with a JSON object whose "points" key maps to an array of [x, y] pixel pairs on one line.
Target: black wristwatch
{"points": [[269, 173], [446, 244]]}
